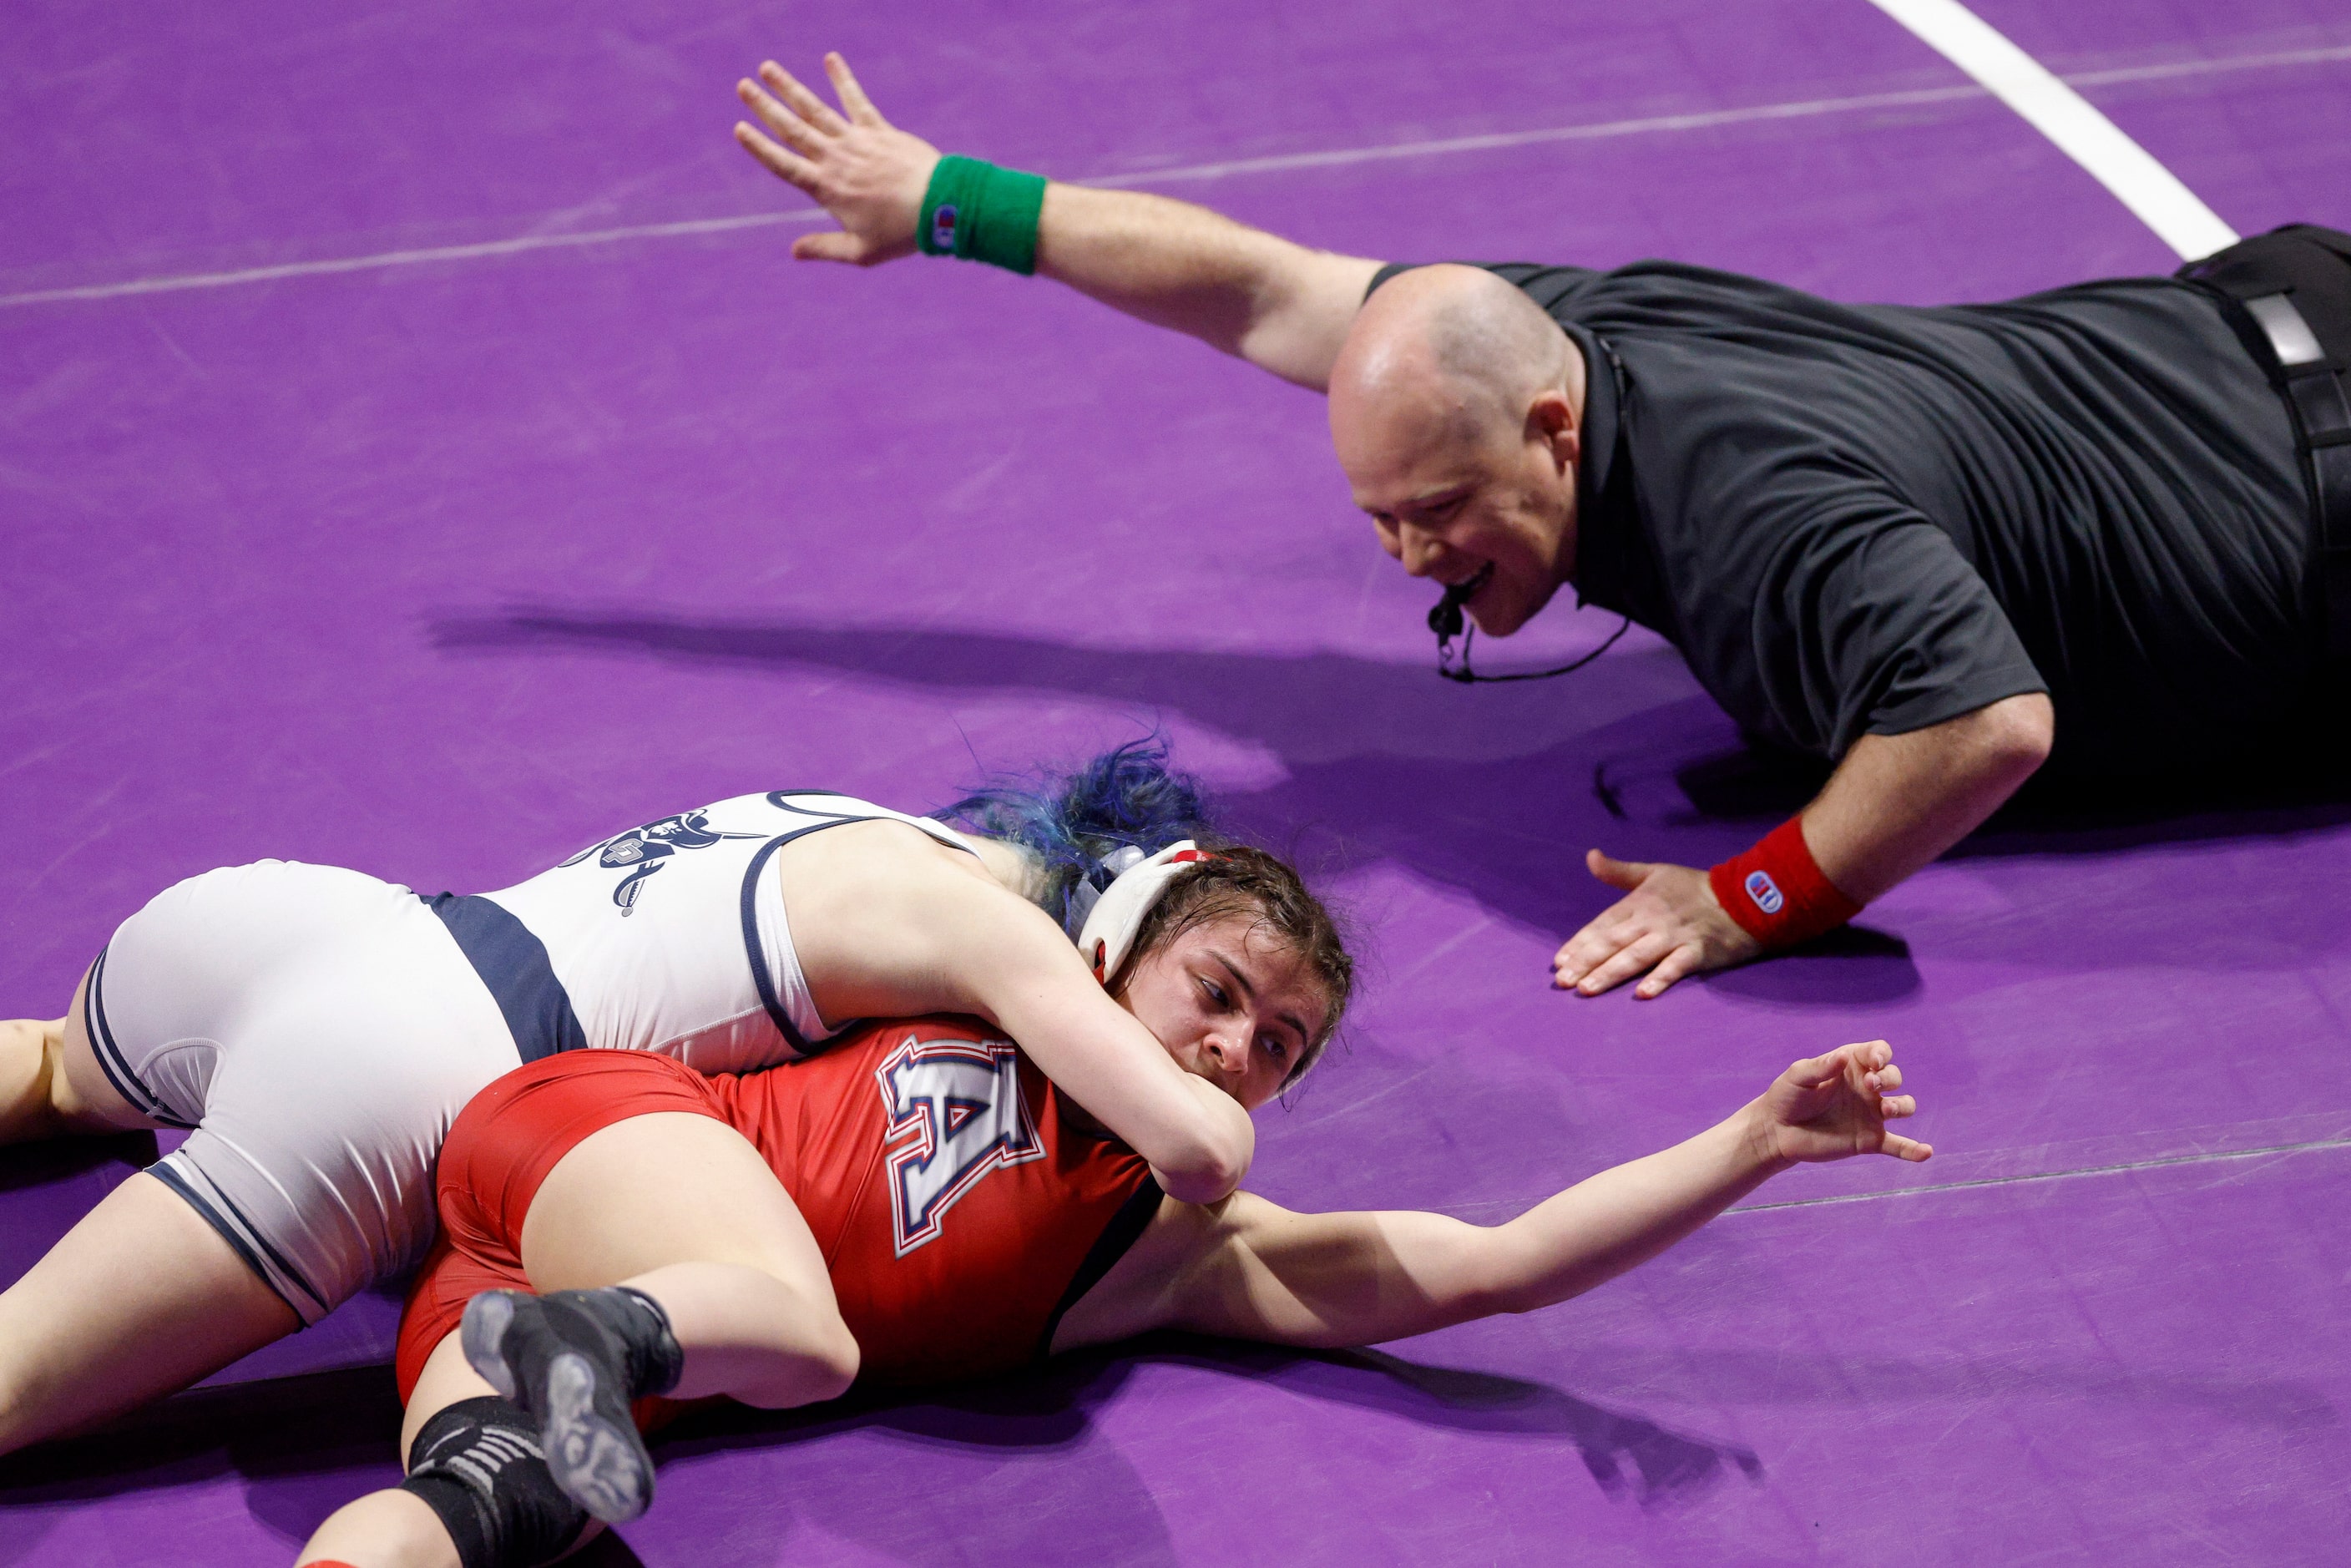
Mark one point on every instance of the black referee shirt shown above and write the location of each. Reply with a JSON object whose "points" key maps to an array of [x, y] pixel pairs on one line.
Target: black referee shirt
{"points": [[1866, 519]]}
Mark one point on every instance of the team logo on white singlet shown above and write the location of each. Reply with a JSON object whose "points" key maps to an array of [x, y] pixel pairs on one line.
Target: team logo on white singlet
{"points": [[641, 851], [957, 1104]]}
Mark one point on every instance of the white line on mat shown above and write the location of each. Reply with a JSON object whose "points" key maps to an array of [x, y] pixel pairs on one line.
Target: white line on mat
{"points": [[2053, 108], [1184, 173]]}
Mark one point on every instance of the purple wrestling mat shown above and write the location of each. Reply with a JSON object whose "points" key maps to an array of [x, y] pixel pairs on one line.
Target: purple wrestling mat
{"points": [[417, 453]]}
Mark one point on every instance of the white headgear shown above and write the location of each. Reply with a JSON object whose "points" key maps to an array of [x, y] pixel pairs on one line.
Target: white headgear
{"points": [[1117, 914]]}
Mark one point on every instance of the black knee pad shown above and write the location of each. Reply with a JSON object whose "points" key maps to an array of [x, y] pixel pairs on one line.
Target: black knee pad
{"points": [[478, 1467]]}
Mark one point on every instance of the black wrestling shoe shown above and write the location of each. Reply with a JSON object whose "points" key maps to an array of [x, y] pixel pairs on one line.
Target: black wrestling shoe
{"points": [[575, 1360]]}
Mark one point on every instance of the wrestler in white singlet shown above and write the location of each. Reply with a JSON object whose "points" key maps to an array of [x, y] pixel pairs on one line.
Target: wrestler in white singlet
{"points": [[318, 1030]]}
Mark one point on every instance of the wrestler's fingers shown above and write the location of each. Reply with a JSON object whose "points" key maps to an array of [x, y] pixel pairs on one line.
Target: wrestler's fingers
{"points": [[780, 122], [1863, 1057], [853, 97], [1894, 1107], [1903, 1148], [793, 171], [1676, 964], [1887, 1077], [805, 104], [1814, 1071]]}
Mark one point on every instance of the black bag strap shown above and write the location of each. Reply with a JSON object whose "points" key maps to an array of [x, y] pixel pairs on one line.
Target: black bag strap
{"points": [[2289, 294]]}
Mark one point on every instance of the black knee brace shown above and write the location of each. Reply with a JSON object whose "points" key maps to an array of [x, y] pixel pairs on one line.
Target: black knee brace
{"points": [[478, 1467]]}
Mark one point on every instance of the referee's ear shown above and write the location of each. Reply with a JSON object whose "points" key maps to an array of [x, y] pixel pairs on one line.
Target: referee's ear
{"points": [[1550, 420]]}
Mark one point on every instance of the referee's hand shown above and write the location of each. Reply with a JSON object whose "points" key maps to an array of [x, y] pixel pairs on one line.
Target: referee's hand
{"points": [[1667, 925], [868, 173]]}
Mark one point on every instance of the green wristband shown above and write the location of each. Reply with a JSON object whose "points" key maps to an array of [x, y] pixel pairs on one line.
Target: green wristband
{"points": [[979, 212]]}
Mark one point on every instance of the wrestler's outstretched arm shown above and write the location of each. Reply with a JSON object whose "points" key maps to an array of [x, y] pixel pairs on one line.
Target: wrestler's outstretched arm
{"points": [[1249, 1269], [1279, 305]]}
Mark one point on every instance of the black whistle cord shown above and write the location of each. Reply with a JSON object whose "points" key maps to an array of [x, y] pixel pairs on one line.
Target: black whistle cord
{"points": [[1446, 619]]}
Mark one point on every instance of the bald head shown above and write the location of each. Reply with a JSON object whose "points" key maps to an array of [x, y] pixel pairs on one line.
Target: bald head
{"points": [[1455, 407], [1448, 354]]}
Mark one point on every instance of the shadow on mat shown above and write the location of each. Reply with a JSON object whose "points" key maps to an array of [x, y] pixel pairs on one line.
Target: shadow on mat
{"points": [[47, 1186], [303, 1446], [1496, 791], [1628, 1457], [50, 1160]]}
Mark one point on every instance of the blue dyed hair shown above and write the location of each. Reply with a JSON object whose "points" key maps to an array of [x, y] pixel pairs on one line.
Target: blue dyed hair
{"points": [[1126, 798]]}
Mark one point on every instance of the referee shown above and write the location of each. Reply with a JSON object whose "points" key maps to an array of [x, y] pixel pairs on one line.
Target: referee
{"points": [[1938, 547]]}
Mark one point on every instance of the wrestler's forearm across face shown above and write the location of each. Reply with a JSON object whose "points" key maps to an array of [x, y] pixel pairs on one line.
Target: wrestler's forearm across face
{"points": [[888, 925]]}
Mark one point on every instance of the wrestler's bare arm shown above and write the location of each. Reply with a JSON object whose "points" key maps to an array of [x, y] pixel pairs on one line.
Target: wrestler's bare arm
{"points": [[51, 1084], [1247, 1268], [888, 924], [1281, 306], [29, 1048]]}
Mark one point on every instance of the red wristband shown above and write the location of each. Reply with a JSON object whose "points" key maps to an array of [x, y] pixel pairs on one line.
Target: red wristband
{"points": [[1776, 892]]}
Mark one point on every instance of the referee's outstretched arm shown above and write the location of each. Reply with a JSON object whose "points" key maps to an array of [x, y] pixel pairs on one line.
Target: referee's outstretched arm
{"points": [[1281, 306]]}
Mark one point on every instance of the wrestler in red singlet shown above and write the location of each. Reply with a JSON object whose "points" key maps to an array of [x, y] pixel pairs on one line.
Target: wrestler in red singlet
{"points": [[958, 1209]]}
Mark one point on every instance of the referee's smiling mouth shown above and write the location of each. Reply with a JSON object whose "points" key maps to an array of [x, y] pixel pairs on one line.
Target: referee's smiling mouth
{"points": [[1500, 544], [1469, 588], [1462, 593]]}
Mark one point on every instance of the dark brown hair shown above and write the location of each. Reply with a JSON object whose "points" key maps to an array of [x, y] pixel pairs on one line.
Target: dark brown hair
{"points": [[1243, 879]]}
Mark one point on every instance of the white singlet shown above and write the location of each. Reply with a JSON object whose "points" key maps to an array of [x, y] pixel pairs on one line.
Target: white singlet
{"points": [[317, 1029], [668, 937]]}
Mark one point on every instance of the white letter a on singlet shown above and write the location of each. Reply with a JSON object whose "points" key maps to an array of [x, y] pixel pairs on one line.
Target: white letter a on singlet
{"points": [[958, 1104]]}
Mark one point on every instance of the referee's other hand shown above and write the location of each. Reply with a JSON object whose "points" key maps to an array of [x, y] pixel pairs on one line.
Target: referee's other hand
{"points": [[1667, 925]]}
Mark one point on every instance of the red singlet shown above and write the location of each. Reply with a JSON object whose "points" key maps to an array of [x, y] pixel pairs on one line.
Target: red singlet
{"points": [[958, 1212]]}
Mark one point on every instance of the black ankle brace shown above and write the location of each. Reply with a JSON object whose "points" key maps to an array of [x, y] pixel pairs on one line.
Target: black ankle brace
{"points": [[478, 1464]]}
